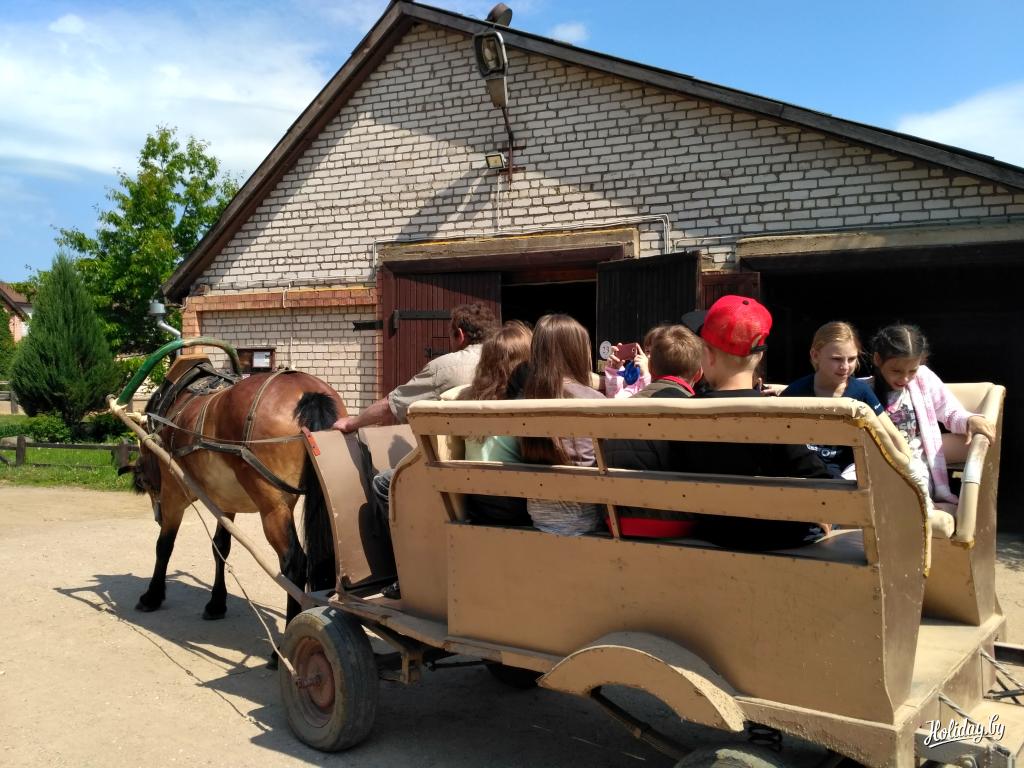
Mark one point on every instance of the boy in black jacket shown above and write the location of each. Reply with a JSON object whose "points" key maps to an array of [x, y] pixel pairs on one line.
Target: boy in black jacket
{"points": [[734, 334], [675, 354]]}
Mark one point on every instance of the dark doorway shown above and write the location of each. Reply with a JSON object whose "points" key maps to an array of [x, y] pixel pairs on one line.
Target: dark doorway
{"points": [[971, 315], [529, 302]]}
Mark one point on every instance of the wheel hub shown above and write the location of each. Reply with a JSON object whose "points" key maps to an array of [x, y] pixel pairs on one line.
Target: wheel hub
{"points": [[317, 680]]}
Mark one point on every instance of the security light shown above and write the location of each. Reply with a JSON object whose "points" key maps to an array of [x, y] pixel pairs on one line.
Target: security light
{"points": [[492, 62], [496, 161]]}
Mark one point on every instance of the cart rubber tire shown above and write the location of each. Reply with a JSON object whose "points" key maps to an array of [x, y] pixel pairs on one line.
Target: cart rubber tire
{"points": [[514, 677], [331, 654], [732, 756]]}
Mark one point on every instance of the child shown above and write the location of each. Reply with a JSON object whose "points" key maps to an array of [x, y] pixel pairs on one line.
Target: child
{"points": [[734, 334], [615, 380], [500, 356], [560, 367], [917, 401], [835, 354], [675, 354]]}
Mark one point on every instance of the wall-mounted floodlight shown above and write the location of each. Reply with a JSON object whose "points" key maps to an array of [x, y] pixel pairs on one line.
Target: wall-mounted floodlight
{"points": [[496, 161]]}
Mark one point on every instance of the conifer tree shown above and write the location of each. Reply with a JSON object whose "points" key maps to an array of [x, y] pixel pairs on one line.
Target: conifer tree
{"points": [[64, 364]]}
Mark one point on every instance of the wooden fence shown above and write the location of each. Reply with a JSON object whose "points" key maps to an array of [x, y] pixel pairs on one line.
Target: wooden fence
{"points": [[121, 453], [6, 393]]}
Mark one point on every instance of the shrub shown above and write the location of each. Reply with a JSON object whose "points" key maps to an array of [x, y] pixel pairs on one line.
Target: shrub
{"points": [[102, 427], [64, 365], [48, 428], [128, 366]]}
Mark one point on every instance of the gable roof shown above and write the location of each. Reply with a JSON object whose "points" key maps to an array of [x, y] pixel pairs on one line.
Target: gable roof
{"points": [[17, 303], [400, 15]]}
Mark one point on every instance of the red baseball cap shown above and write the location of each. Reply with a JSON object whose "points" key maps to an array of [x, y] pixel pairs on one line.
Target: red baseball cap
{"points": [[738, 325]]}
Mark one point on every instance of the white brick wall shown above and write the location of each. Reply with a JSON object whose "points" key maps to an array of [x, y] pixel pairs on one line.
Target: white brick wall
{"points": [[318, 341], [404, 158]]}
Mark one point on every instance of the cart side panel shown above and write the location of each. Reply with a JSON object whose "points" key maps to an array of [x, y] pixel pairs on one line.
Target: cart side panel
{"points": [[790, 629], [417, 517], [961, 584]]}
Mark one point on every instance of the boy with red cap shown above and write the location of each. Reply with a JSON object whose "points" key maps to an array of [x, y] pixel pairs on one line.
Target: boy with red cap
{"points": [[735, 332]]}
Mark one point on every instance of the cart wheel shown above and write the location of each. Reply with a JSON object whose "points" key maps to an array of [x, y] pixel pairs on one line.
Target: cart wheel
{"points": [[514, 677], [731, 757], [332, 701]]}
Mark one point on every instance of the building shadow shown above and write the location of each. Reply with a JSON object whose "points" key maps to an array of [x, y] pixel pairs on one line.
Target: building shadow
{"points": [[1010, 551]]}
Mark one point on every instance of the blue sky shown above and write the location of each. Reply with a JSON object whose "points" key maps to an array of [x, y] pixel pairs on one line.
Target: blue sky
{"points": [[83, 82]]}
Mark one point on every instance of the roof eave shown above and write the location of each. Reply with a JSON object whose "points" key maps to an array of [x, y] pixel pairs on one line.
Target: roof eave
{"points": [[377, 42]]}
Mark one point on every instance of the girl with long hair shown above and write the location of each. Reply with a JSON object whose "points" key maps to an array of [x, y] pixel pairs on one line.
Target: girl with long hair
{"points": [[560, 367], [835, 355], [501, 357], [917, 402]]}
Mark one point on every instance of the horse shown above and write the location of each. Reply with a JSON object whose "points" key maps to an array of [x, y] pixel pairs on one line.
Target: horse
{"points": [[242, 443]]}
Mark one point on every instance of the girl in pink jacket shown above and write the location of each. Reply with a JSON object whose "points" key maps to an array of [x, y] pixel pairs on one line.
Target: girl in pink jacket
{"points": [[917, 400]]}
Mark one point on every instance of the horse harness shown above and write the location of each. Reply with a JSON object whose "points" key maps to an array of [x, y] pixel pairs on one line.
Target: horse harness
{"points": [[204, 381]]}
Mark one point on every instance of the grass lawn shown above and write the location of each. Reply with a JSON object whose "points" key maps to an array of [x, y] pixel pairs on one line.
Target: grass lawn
{"points": [[84, 469]]}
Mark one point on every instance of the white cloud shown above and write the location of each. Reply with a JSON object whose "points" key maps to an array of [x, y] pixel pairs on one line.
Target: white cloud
{"points": [[574, 32], [991, 123], [358, 14], [85, 90], [69, 24]]}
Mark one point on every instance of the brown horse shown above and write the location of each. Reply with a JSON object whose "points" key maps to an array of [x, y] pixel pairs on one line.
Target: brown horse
{"points": [[242, 445]]}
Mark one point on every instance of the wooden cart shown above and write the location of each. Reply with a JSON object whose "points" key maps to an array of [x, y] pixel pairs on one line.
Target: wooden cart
{"points": [[868, 643]]}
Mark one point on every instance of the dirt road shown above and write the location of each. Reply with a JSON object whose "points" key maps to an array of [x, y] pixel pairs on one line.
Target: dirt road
{"points": [[86, 680]]}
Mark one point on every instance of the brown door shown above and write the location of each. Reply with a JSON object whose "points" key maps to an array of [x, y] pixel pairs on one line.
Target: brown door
{"points": [[634, 295], [415, 313], [715, 285]]}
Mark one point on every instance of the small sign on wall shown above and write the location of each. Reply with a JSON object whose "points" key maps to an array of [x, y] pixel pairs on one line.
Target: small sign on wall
{"points": [[256, 360]]}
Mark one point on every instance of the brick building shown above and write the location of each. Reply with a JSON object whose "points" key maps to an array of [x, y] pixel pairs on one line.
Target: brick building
{"points": [[641, 194], [19, 311]]}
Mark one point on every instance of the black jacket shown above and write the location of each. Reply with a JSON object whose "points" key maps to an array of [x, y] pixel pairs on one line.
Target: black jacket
{"points": [[753, 459]]}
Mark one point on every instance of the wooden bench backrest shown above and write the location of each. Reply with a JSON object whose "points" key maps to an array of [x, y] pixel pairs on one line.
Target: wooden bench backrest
{"points": [[551, 593]]}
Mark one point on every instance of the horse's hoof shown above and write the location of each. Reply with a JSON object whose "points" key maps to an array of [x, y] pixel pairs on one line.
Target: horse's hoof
{"points": [[148, 604], [212, 614]]}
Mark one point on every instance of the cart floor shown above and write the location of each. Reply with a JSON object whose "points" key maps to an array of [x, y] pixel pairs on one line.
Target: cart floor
{"points": [[943, 648]]}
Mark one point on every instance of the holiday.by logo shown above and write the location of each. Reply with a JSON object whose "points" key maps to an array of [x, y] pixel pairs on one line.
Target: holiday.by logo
{"points": [[963, 730]]}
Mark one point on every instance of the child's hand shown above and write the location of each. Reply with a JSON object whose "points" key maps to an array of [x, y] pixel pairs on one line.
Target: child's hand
{"points": [[613, 357], [642, 362], [979, 425]]}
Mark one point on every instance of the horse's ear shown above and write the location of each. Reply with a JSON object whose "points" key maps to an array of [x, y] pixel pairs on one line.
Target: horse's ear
{"points": [[125, 469]]}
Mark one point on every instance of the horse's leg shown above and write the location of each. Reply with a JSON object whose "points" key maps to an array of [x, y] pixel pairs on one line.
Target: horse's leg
{"points": [[279, 528], [172, 507], [217, 607]]}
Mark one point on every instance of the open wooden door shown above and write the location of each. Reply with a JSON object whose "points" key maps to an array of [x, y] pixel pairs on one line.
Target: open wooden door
{"points": [[416, 309], [715, 285], [634, 295]]}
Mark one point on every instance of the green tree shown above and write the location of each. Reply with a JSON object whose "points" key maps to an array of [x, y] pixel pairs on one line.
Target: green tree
{"points": [[28, 287], [158, 217], [6, 343], [64, 364]]}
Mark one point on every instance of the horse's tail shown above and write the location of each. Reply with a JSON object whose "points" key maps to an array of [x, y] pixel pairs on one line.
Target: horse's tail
{"points": [[316, 411]]}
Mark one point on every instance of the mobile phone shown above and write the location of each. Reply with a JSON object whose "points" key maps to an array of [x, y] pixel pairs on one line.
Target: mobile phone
{"points": [[628, 351]]}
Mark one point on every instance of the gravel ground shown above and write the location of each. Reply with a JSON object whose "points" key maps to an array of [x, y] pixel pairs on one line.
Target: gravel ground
{"points": [[85, 680]]}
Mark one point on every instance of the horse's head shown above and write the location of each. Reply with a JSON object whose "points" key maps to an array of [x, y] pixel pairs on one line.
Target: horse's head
{"points": [[145, 477]]}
